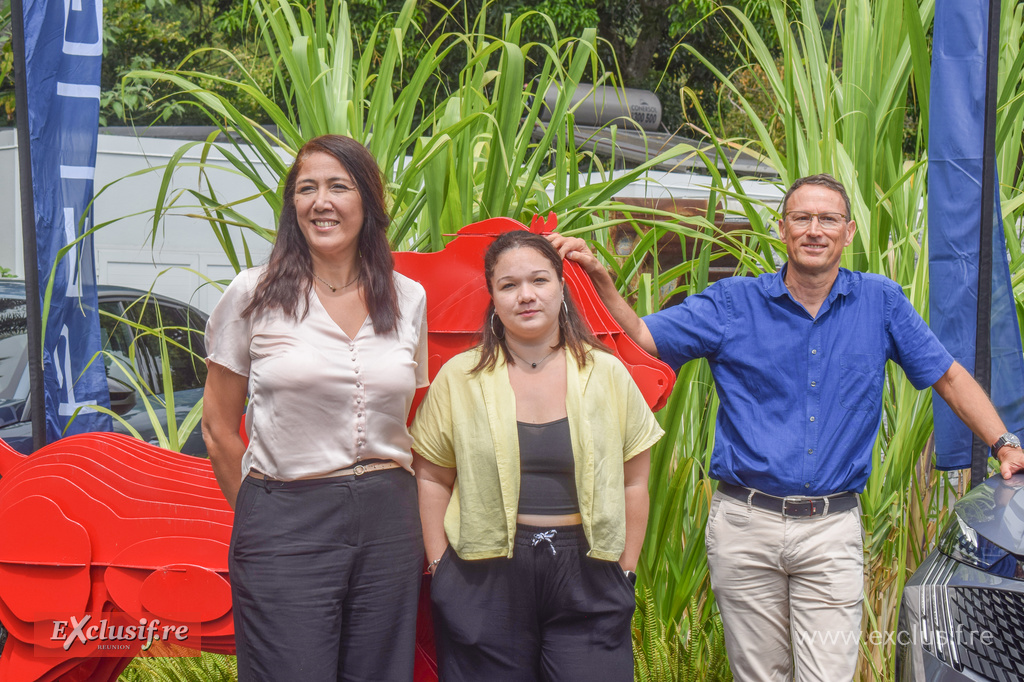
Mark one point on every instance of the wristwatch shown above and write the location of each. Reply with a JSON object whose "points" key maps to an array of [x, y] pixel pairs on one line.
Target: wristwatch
{"points": [[1005, 439], [630, 576]]}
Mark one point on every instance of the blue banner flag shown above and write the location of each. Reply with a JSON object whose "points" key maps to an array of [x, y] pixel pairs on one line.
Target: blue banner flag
{"points": [[957, 157], [63, 52]]}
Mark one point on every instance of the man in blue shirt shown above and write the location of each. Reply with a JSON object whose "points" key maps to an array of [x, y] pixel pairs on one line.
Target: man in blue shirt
{"points": [[798, 358]]}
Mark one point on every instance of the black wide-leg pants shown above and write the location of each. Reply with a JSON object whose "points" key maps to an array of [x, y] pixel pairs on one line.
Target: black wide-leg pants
{"points": [[549, 613], [325, 578]]}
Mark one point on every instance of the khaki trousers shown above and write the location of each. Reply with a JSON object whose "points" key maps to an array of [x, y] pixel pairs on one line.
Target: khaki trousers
{"points": [[790, 591]]}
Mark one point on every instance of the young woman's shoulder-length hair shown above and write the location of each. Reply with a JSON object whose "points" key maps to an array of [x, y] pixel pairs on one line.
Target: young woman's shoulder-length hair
{"points": [[574, 334], [289, 274]]}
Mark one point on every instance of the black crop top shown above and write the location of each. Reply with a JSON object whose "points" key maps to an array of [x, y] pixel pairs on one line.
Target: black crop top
{"points": [[547, 470]]}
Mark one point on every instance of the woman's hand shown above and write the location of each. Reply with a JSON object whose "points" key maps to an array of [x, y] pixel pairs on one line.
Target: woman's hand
{"points": [[223, 408], [434, 484]]}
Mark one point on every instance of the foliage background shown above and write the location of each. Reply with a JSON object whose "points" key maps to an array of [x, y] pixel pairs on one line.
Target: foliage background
{"points": [[634, 39]]}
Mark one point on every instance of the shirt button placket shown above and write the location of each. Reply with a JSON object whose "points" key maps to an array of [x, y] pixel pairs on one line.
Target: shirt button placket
{"points": [[814, 363], [359, 399]]}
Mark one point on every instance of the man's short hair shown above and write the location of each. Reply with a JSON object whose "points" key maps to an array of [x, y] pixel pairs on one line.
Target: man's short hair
{"points": [[822, 180]]}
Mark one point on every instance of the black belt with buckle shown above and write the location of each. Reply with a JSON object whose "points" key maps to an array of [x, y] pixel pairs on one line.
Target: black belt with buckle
{"points": [[793, 505]]}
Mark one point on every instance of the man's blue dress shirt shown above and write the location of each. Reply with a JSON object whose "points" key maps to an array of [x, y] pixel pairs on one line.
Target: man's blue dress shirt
{"points": [[801, 397]]}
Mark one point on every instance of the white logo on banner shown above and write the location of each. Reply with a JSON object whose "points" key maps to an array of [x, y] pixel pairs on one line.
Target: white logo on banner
{"points": [[65, 379], [83, 49]]}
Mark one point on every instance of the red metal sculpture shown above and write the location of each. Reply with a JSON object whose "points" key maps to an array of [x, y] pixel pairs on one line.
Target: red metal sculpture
{"points": [[103, 524], [457, 299], [102, 528]]}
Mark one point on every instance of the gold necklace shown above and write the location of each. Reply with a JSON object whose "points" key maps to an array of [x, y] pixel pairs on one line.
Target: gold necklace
{"points": [[532, 364], [333, 288]]}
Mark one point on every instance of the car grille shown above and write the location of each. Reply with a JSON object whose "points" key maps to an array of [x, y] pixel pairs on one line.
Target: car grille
{"points": [[989, 631]]}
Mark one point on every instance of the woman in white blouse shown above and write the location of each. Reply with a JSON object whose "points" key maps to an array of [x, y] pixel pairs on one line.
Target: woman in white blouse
{"points": [[329, 345]]}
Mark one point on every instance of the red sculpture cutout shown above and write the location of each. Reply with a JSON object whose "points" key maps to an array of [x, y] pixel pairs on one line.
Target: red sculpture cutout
{"points": [[106, 527], [457, 299]]}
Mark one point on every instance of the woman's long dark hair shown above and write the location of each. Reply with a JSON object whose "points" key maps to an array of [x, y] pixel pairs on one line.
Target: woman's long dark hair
{"points": [[573, 332], [289, 274]]}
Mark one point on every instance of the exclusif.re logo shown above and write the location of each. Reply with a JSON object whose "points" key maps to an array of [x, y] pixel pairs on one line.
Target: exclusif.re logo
{"points": [[146, 632], [117, 634]]}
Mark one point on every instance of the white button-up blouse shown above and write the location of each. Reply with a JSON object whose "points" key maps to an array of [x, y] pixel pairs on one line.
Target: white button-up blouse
{"points": [[318, 400]]}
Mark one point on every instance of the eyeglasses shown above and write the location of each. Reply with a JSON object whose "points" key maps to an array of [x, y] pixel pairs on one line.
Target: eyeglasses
{"points": [[828, 221]]}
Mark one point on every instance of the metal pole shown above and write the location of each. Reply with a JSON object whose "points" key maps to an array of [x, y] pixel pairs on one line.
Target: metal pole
{"points": [[980, 451], [33, 306]]}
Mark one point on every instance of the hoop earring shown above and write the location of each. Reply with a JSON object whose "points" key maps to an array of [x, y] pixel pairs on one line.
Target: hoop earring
{"points": [[493, 331], [565, 308]]}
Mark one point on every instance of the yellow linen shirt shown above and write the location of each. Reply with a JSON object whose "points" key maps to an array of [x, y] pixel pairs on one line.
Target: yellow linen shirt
{"points": [[468, 421]]}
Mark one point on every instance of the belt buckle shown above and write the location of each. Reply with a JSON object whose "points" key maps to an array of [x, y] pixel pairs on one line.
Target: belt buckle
{"points": [[799, 499], [359, 470]]}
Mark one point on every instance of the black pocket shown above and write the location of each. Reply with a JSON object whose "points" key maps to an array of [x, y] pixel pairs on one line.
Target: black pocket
{"points": [[250, 495], [443, 561], [620, 577]]}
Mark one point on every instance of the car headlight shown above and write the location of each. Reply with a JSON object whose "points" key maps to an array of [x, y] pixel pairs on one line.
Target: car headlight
{"points": [[962, 543]]}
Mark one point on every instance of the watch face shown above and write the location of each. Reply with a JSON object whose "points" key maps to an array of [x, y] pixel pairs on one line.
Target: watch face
{"points": [[1008, 439]]}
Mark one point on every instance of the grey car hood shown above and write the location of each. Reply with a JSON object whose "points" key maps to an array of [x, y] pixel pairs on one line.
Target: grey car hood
{"points": [[996, 511]]}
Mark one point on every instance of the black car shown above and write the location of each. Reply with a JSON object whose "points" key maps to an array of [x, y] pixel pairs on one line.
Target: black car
{"points": [[962, 613], [132, 353]]}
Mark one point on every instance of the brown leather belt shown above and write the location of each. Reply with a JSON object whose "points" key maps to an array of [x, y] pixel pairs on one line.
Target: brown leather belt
{"points": [[792, 505], [357, 470]]}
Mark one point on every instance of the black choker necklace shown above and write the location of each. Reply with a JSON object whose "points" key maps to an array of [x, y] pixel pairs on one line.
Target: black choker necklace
{"points": [[333, 288], [532, 364]]}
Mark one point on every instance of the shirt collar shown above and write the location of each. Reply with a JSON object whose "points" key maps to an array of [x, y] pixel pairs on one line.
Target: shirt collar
{"points": [[775, 284]]}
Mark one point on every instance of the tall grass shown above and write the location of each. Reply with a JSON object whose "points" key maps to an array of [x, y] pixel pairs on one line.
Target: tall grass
{"points": [[171, 428], [449, 159], [1009, 136]]}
